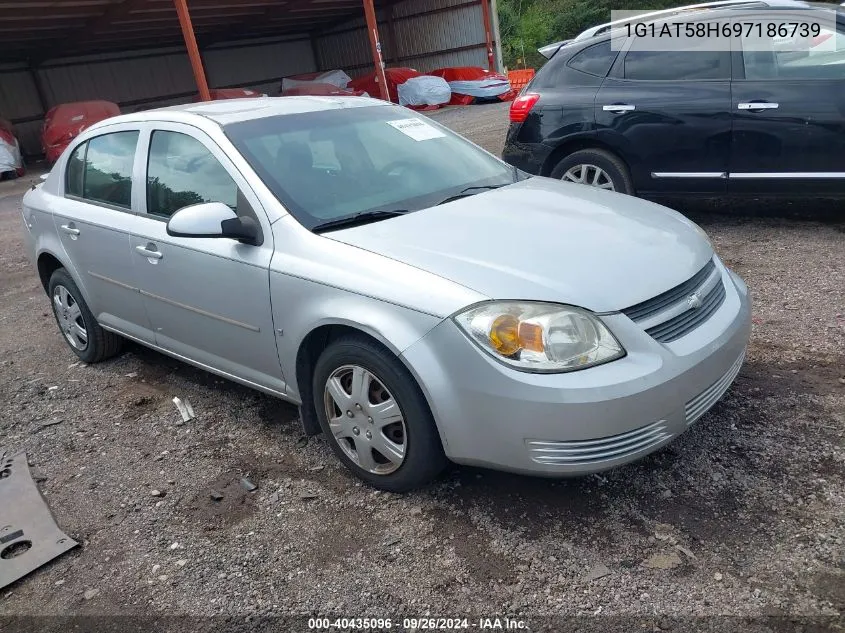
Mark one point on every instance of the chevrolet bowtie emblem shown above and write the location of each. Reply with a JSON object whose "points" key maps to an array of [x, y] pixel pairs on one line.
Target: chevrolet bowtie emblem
{"points": [[694, 301]]}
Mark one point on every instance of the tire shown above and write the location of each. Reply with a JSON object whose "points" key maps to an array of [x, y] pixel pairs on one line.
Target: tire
{"points": [[361, 431], [99, 344], [610, 164]]}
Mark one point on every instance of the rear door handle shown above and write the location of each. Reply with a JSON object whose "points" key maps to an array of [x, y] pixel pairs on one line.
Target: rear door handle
{"points": [[757, 105], [71, 230], [619, 107], [148, 251]]}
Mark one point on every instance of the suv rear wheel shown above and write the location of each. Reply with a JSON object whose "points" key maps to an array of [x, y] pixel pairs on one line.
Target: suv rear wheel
{"points": [[595, 168]]}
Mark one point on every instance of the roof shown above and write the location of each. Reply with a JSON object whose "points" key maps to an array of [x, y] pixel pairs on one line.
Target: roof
{"points": [[45, 29], [237, 110]]}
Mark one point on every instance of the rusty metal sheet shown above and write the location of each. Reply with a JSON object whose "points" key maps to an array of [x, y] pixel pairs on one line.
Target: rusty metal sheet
{"points": [[29, 536]]}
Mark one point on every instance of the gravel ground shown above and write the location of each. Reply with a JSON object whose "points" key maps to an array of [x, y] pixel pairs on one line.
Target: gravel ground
{"points": [[742, 516]]}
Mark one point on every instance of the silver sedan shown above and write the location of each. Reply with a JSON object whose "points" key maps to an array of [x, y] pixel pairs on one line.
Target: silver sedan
{"points": [[419, 299]]}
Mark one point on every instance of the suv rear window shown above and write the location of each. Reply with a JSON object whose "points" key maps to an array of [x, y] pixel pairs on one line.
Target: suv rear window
{"points": [[594, 60]]}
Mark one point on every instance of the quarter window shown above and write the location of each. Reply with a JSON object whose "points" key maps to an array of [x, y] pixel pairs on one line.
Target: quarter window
{"points": [[75, 169], [595, 60], [182, 172], [687, 64], [108, 168]]}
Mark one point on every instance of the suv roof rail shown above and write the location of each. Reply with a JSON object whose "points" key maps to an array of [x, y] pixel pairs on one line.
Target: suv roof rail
{"points": [[602, 28]]}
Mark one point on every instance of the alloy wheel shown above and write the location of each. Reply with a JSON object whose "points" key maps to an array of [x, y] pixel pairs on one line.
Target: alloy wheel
{"points": [[365, 419], [69, 316], [591, 175]]}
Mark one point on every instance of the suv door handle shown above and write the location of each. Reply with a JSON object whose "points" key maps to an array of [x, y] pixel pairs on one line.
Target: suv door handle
{"points": [[619, 107], [71, 230], [149, 252], [757, 105]]}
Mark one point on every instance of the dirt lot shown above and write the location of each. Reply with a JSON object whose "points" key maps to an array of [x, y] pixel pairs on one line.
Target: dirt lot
{"points": [[743, 516]]}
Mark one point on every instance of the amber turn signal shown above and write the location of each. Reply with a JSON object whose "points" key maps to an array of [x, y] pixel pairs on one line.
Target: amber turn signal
{"points": [[504, 335], [531, 337]]}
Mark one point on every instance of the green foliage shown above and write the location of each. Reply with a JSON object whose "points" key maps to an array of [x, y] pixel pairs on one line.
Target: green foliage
{"points": [[525, 25]]}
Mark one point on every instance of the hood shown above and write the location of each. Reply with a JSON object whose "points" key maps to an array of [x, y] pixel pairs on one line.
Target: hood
{"points": [[545, 240]]}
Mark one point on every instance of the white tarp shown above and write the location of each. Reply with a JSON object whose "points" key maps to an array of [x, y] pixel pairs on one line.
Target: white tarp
{"points": [[424, 90], [10, 156], [484, 88], [334, 77]]}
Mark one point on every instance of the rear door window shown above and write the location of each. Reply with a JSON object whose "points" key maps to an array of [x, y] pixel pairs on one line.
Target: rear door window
{"points": [[107, 174], [692, 63]]}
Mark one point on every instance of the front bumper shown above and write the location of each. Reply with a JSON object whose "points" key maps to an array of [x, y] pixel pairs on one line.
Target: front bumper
{"points": [[585, 421]]}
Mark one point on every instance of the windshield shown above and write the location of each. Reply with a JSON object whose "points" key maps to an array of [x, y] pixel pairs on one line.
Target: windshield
{"points": [[334, 164]]}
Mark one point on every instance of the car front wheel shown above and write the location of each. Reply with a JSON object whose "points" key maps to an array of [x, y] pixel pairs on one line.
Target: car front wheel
{"points": [[595, 168], [375, 417]]}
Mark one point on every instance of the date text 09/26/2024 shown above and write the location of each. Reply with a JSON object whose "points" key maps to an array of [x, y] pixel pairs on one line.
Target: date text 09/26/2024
{"points": [[417, 624]]}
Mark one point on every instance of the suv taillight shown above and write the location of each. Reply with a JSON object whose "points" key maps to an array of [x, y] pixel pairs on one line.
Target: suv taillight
{"points": [[521, 106]]}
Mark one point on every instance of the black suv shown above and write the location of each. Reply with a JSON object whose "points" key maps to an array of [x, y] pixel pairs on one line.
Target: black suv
{"points": [[763, 122]]}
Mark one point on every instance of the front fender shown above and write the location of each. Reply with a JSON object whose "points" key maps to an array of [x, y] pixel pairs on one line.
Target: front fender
{"points": [[301, 306]]}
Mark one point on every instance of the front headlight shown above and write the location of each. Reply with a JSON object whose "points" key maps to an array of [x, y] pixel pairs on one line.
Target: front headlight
{"points": [[540, 337]]}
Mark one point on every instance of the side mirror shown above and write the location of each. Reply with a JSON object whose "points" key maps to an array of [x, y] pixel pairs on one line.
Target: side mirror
{"points": [[212, 219]]}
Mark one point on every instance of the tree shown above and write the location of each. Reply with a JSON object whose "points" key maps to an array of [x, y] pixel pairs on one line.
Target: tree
{"points": [[526, 25]]}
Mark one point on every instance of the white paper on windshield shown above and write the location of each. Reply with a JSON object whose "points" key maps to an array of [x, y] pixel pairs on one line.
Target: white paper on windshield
{"points": [[416, 129]]}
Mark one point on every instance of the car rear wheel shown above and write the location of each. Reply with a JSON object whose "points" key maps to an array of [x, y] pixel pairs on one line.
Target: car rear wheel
{"points": [[375, 417], [83, 334], [595, 168]]}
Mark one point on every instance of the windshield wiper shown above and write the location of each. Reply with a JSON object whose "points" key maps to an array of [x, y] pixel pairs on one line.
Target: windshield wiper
{"points": [[469, 192], [359, 218]]}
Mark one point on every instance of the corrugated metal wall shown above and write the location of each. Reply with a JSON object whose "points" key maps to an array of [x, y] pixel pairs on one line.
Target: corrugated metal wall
{"points": [[145, 79], [19, 102], [423, 34]]}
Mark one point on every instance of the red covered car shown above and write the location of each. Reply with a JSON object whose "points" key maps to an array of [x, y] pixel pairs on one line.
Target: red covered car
{"points": [[231, 93], [407, 87], [64, 122], [332, 83], [473, 83]]}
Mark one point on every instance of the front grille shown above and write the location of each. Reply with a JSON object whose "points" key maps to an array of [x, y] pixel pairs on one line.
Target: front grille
{"points": [[662, 301], [670, 315], [580, 452], [687, 321], [699, 405]]}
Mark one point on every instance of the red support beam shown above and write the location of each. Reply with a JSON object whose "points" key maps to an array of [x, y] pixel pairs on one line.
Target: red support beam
{"points": [[375, 46], [488, 32], [193, 50]]}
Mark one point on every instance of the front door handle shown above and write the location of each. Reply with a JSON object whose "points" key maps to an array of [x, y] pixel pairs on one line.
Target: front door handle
{"points": [[71, 230], [149, 251], [619, 107], [757, 105]]}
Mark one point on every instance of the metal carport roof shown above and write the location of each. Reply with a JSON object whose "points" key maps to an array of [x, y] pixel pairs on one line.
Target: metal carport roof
{"points": [[35, 30]]}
